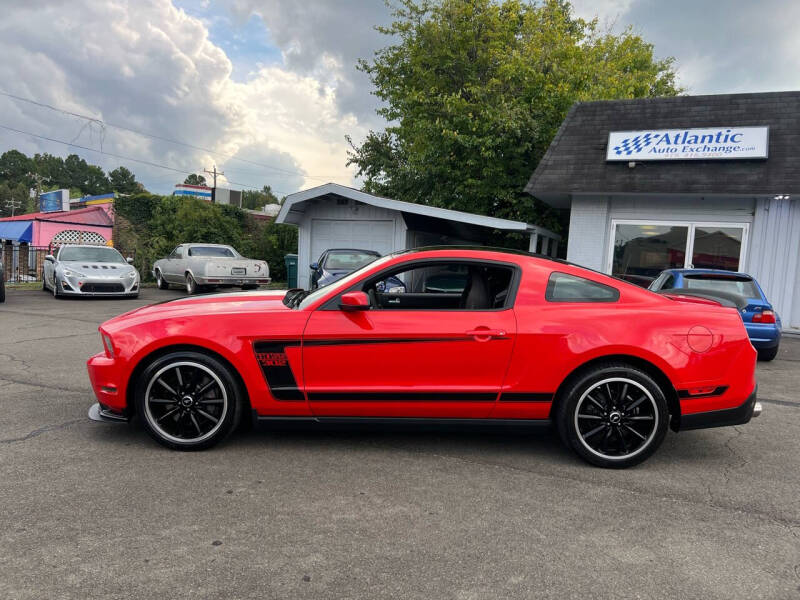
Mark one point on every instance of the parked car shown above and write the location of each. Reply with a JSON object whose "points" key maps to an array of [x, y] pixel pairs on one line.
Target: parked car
{"points": [[526, 339], [84, 270], [762, 323], [198, 266], [335, 263]]}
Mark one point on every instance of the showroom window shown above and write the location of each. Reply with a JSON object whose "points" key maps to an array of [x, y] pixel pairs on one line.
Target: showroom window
{"points": [[642, 249]]}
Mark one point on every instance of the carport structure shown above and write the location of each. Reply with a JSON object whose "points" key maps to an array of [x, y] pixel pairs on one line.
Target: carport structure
{"points": [[337, 216]]}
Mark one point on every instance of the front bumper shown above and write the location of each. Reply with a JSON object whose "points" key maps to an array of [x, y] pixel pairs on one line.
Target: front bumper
{"points": [[107, 379], [98, 412], [98, 286], [738, 415]]}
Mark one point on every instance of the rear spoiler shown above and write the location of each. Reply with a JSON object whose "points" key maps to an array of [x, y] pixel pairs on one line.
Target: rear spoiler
{"points": [[701, 296]]}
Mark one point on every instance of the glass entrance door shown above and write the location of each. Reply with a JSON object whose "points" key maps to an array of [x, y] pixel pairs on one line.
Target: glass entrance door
{"points": [[641, 249]]}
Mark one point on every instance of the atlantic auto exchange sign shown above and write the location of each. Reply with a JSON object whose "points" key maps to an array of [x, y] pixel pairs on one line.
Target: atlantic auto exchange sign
{"points": [[688, 144]]}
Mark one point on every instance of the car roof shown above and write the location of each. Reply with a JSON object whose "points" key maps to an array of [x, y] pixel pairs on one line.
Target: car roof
{"points": [[708, 272], [353, 250], [202, 244]]}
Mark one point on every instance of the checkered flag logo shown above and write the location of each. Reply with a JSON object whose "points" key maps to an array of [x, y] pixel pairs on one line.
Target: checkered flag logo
{"points": [[635, 144]]}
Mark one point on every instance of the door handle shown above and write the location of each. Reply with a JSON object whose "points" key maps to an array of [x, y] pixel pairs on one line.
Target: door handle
{"points": [[484, 334]]}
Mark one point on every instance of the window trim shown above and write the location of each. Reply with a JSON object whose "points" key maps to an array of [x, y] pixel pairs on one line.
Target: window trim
{"points": [[549, 298], [691, 226], [513, 286]]}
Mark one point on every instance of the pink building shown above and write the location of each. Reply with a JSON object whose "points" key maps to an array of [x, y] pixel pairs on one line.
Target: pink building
{"points": [[90, 225]]}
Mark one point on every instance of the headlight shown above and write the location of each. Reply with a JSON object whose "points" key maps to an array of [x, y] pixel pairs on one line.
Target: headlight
{"points": [[68, 273], [109, 347], [129, 275]]}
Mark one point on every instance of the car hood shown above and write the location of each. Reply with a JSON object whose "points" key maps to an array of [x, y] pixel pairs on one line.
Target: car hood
{"points": [[96, 268], [203, 305]]}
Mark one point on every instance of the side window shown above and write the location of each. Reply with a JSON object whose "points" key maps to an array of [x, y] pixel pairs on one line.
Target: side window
{"points": [[669, 283], [562, 287], [443, 286], [177, 253]]}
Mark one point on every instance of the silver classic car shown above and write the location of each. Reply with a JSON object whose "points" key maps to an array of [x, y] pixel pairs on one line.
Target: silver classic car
{"points": [[209, 265], [82, 270]]}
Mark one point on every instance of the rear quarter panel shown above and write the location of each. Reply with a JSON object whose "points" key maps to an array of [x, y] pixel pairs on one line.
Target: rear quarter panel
{"points": [[556, 338]]}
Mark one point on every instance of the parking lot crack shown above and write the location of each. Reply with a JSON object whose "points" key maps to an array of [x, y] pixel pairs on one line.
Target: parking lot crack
{"points": [[41, 430], [13, 360], [42, 385]]}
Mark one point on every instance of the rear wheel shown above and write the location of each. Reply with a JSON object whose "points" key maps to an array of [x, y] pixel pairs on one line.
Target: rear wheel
{"points": [[768, 354], [161, 282], [613, 416], [188, 401], [191, 284]]}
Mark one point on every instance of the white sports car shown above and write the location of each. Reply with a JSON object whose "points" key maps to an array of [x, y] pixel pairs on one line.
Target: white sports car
{"points": [[209, 265], [83, 270]]}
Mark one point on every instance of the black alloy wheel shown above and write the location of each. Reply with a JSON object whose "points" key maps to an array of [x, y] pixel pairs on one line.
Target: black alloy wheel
{"points": [[614, 416], [188, 401]]}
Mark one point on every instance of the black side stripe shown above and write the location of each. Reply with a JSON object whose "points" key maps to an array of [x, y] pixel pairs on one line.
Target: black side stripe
{"points": [[718, 391], [526, 397], [402, 396], [277, 372], [360, 341]]}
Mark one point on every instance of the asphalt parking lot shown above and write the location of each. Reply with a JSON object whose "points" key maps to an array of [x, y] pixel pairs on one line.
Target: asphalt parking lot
{"points": [[95, 510]]}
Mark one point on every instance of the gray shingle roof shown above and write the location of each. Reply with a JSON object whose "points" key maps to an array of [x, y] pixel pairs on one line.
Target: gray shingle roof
{"points": [[575, 162]]}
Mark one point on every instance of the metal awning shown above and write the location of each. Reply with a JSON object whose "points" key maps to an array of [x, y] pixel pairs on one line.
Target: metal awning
{"points": [[16, 231]]}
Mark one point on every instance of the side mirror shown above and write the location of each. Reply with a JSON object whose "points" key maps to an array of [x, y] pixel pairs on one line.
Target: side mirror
{"points": [[50, 258], [352, 301], [129, 260], [314, 266]]}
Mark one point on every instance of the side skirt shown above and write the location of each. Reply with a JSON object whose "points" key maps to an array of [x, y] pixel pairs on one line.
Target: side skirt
{"points": [[402, 421]]}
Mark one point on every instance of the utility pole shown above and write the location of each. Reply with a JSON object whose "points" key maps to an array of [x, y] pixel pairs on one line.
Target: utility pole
{"points": [[214, 173], [13, 205], [39, 179]]}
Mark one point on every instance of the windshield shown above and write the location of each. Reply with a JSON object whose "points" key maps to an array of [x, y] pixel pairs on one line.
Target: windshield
{"points": [[212, 251], [310, 297], [348, 260], [98, 254], [732, 285]]}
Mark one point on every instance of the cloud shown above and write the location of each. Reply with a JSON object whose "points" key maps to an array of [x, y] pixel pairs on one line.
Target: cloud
{"points": [[720, 47], [152, 67]]}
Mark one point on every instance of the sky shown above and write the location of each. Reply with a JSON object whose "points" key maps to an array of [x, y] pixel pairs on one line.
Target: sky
{"points": [[267, 90]]}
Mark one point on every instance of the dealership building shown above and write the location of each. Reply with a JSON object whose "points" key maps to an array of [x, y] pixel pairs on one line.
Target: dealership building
{"points": [[689, 181]]}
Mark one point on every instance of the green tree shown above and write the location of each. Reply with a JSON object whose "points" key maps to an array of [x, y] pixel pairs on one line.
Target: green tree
{"points": [[475, 90], [123, 181], [15, 167], [257, 199], [195, 179]]}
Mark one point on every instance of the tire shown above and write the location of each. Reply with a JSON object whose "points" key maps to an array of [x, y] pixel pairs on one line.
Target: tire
{"points": [[592, 420], [2, 288], [161, 283], [56, 294], [191, 285], [44, 283], [188, 401], [768, 354]]}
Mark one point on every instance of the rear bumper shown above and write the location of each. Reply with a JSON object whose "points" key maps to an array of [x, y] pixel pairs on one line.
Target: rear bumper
{"points": [[763, 336], [243, 280], [739, 415]]}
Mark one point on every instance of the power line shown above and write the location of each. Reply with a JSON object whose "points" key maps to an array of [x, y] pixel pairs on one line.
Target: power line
{"points": [[161, 138], [121, 157]]}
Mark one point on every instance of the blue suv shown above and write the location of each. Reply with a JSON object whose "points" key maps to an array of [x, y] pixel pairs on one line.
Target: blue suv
{"points": [[761, 321]]}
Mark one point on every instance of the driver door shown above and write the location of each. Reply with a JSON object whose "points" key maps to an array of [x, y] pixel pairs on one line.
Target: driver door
{"points": [[420, 358]]}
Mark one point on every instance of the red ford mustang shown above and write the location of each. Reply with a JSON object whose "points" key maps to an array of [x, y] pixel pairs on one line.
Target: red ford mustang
{"points": [[474, 335]]}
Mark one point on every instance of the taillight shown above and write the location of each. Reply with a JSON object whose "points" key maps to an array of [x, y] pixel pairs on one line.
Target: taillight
{"points": [[765, 316]]}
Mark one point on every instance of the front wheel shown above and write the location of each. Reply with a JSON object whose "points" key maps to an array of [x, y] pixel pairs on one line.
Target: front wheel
{"points": [[768, 354], [2, 288], [613, 416], [188, 400]]}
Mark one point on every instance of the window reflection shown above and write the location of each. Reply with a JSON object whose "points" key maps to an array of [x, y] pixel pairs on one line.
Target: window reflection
{"points": [[717, 248], [641, 252]]}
